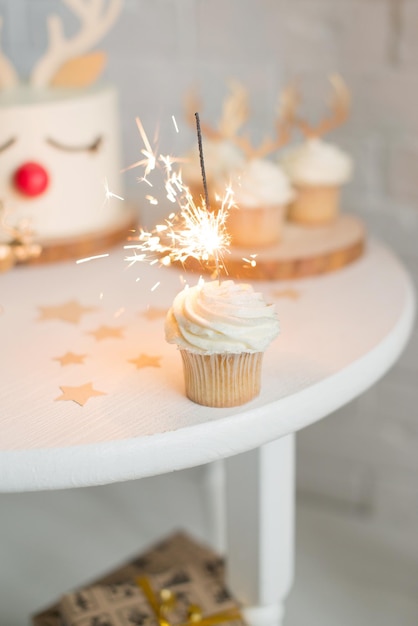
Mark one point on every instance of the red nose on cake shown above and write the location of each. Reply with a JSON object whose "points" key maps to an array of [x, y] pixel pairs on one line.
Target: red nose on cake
{"points": [[31, 179]]}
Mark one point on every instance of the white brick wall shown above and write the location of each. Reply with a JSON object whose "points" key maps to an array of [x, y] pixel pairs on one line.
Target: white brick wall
{"points": [[321, 35], [366, 455]]}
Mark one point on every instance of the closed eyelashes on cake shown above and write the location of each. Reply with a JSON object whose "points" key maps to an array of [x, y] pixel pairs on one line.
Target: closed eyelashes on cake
{"points": [[7, 144], [91, 147]]}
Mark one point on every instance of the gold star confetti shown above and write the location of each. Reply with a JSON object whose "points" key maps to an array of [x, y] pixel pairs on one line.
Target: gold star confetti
{"points": [[292, 294], [146, 360], [69, 358], [107, 332], [79, 394], [70, 312], [153, 313]]}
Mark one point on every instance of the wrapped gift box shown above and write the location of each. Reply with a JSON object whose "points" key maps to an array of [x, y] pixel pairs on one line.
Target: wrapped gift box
{"points": [[176, 552], [179, 596]]}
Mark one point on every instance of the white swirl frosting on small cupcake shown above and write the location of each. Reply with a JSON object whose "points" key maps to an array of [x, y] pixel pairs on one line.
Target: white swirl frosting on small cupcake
{"points": [[316, 162], [261, 183], [221, 317]]}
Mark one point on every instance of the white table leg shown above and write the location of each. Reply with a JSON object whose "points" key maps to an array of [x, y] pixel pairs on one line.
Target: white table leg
{"points": [[214, 486], [260, 493]]}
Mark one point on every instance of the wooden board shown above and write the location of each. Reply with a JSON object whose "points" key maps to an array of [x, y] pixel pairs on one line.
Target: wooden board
{"points": [[304, 251], [86, 245]]}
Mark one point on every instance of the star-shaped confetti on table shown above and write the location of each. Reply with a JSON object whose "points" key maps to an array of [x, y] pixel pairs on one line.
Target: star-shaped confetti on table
{"points": [[107, 332], [69, 358], [146, 360], [70, 312], [79, 394], [153, 313], [292, 294]]}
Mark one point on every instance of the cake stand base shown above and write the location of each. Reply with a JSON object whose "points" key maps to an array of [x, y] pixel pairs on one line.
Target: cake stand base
{"points": [[85, 245], [303, 251]]}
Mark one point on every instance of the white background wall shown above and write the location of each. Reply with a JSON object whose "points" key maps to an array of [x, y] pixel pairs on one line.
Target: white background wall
{"points": [[365, 458]]}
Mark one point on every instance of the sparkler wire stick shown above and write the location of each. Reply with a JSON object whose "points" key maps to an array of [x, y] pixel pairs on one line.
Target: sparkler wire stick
{"points": [[205, 186], [202, 162]]}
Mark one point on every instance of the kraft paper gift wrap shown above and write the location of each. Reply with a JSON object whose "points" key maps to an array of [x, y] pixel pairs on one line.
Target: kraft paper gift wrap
{"points": [[177, 597], [178, 550]]}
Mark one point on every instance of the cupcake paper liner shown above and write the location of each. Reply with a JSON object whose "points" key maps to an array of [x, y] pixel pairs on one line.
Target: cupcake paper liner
{"points": [[256, 227], [315, 204], [222, 380]]}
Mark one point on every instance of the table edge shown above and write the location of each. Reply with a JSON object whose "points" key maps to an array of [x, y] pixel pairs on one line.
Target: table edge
{"points": [[117, 461]]}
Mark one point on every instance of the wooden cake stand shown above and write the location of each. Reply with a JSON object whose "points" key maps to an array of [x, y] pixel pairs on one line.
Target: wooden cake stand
{"points": [[303, 251], [102, 240]]}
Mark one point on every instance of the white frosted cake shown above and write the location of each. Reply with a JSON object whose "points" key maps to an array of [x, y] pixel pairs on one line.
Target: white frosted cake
{"points": [[60, 152]]}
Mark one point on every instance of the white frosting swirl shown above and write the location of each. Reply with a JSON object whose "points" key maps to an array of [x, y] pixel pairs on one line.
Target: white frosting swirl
{"points": [[316, 162], [221, 156], [261, 183], [217, 318]]}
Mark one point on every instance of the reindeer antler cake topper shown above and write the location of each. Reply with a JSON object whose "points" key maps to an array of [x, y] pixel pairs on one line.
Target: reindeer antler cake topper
{"points": [[235, 112], [284, 121], [65, 62], [8, 74], [340, 108]]}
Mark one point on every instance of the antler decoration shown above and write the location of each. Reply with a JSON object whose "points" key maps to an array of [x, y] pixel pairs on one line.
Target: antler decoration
{"points": [[234, 112], [95, 23], [340, 108], [193, 103], [8, 75], [284, 121]]}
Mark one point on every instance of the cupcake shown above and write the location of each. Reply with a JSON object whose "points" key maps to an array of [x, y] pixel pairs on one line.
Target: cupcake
{"points": [[317, 170], [222, 330], [262, 193], [221, 158]]}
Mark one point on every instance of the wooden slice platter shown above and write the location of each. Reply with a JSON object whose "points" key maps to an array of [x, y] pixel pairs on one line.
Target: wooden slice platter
{"points": [[304, 251], [53, 250]]}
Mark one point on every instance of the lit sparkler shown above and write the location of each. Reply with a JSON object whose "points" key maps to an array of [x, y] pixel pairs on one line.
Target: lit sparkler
{"points": [[194, 231], [92, 258], [175, 123], [109, 194]]}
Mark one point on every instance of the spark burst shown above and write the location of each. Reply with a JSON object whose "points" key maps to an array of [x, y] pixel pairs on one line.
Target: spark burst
{"points": [[193, 231], [109, 194], [92, 258]]}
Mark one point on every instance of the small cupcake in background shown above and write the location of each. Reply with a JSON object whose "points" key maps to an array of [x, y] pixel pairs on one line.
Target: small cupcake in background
{"points": [[262, 193], [261, 188], [222, 155], [222, 330], [317, 169]]}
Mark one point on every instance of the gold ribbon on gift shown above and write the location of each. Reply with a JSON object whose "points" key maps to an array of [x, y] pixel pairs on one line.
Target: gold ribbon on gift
{"points": [[165, 601]]}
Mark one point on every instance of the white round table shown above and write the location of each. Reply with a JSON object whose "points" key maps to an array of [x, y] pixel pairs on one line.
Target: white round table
{"points": [[96, 329]]}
